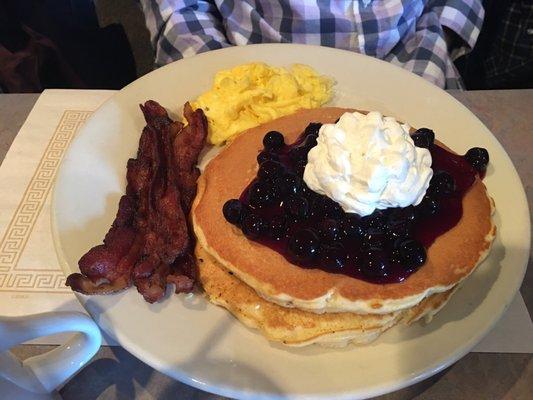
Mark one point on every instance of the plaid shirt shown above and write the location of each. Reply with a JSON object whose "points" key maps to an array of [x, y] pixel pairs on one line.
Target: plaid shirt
{"points": [[409, 33]]}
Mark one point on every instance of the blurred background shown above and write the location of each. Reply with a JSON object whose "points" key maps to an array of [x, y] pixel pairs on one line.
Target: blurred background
{"points": [[104, 44]]}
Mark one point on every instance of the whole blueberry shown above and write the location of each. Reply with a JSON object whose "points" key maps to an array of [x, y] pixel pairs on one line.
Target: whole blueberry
{"points": [[303, 246], [253, 226], [289, 184], [261, 194], [330, 230], [423, 137], [412, 254], [297, 206], [270, 170], [273, 140], [266, 155], [232, 211], [442, 183], [478, 158]]}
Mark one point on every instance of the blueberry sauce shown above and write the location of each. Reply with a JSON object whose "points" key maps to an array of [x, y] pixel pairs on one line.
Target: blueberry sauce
{"points": [[278, 210]]}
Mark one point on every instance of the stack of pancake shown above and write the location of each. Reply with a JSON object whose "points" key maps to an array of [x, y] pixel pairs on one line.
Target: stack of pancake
{"points": [[298, 306]]}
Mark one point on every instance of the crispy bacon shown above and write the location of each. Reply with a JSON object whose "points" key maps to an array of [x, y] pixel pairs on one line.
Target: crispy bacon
{"points": [[150, 241], [183, 273], [187, 148], [106, 267]]}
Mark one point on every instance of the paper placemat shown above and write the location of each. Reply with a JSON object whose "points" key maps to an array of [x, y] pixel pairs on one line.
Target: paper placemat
{"points": [[31, 280]]}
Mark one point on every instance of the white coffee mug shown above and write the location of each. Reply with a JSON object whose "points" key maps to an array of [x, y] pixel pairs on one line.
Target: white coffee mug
{"points": [[37, 377]]}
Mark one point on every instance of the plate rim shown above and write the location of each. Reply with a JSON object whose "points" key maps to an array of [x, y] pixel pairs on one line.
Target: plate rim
{"points": [[230, 391]]}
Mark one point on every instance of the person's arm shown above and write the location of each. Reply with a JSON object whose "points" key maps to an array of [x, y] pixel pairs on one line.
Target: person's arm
{"points": [[182, 28], [461, 21]]}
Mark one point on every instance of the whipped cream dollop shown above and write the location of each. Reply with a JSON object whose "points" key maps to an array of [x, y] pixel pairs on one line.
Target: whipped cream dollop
{"points": [[368, 162]]}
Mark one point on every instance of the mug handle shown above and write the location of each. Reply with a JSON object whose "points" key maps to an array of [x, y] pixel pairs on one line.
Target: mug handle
{"points": [[45, 372]]}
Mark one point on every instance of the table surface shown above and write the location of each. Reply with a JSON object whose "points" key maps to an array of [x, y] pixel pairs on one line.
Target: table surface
{"points": [[116, 374]]}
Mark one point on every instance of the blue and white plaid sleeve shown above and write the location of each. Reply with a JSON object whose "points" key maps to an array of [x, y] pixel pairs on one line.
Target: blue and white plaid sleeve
{"points": [[424, 51], [464, 17], [182, 28]]}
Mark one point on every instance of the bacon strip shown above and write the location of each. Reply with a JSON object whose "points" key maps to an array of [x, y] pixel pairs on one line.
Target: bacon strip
{"points": [[187, 148], [150, 241]]}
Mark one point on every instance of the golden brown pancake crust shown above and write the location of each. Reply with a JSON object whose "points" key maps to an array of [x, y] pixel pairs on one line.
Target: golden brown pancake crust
{"points": [[288, 325], [451, 257], [296, 327]]}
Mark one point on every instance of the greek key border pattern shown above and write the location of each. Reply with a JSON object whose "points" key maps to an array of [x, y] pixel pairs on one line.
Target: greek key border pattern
{"points": [[21, 225]]}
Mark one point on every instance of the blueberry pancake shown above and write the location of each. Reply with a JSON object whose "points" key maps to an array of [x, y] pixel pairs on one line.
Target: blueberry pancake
{"points": [[452, 254]]}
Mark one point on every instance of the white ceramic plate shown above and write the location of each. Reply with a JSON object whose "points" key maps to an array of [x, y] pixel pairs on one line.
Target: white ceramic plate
{"points": [[204, 346]]}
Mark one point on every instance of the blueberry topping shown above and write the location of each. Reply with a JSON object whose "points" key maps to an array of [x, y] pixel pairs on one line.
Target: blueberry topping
{"points": [[297, 206], [280, 211], [374, 263], [330, 230], [278, 227], [351, 226], [309, 142], [299, 167], [261, 194], [428, 206], [266, 155], [395, 257], [232, 211], [374, 237], [399, 222], [313, 128], [478, 158], [442, 183], [297, 154], [304, 246], [333, 256], [412, 253], [334, 210], [423, 137], [398, 231], [289, 184], [273, 140], [374, 220], [270, 170], [305, 191], [253, 226], [318, 210], [401, 215], [324, 207]]}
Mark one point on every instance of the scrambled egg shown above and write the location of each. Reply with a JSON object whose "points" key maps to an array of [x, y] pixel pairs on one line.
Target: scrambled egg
{"points": [[251, 94]]}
